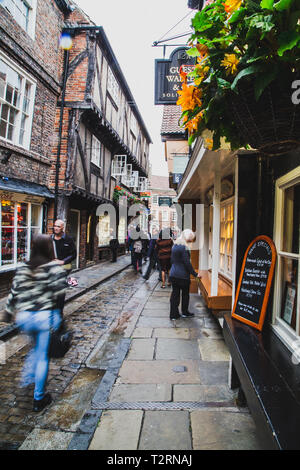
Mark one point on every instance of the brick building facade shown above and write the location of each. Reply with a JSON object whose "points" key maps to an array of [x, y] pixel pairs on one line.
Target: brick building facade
{"points": [[63, 117], [30, 68]]}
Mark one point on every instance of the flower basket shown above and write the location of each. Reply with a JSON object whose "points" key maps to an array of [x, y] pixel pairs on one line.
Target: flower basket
{"points": [[271, 124], [247, 64]]}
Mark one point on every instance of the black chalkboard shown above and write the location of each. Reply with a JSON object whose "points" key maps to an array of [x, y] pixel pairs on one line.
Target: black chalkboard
{"points": [[255, 282]]}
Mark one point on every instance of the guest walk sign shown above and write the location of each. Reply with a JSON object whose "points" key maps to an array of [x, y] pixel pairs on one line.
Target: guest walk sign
{"points": [[167, 77], [255, 282]]}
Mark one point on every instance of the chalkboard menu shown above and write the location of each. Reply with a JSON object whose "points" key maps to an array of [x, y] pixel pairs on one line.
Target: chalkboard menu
{"points": [[255, 282]]}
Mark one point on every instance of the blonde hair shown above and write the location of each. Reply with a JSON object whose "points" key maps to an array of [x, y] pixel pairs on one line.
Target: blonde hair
{"points": [[186, 238]]}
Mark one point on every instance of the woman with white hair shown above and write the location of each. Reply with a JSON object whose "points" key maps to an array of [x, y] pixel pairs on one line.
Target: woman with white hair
{"points": [[180, 275]]}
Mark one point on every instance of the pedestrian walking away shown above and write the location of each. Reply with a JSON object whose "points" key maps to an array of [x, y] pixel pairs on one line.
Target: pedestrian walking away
{"points": [[180, 275], [33, 301], [138, 250], [164, 249], [114, 246], [153, 257], [65, 253]]}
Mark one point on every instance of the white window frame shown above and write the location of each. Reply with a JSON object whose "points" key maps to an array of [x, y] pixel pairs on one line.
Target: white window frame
{"points": [[224, 271], [96, 151], [155, 199], [15, 264], [287, 335], [11, 6], [113, 87], [165, 216], [32, 82]]}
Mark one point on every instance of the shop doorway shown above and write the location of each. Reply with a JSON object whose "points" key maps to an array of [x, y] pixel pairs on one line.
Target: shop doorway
{"points": [[74, 227], [90, 236]]}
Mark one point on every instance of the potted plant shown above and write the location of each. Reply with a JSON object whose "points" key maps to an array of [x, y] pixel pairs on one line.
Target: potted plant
{"points": [[248, 61]]}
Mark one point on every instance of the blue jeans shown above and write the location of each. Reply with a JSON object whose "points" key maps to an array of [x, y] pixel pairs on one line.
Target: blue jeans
{"points": [[37, 326]]}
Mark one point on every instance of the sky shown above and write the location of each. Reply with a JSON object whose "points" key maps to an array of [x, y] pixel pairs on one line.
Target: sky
{"points": [[131, 27]]}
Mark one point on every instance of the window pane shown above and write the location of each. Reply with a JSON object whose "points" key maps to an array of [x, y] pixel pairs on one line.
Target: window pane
{"points": [[7, 245], [22, 214], [291, 225], [3, 126], [289, 282], [8, 213], [35, 216], [9, 93], [4, 112], [22, 244]]}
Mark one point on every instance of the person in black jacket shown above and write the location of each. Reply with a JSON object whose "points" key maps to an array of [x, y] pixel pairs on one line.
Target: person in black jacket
{"points": [[65, 253], [180, 272]]}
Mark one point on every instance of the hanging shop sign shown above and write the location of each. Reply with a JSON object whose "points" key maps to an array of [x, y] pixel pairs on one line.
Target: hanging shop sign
{"points": [[167, 77], [255, 282], [165, 201], [177, 177]]}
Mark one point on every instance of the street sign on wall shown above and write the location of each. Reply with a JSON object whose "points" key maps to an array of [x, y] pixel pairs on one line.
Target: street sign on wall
{"points": [[165, 201], [167, 77]]}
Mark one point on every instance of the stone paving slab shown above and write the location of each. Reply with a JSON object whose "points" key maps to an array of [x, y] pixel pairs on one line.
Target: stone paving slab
{"points": [[141, 349], [171, 348], [214, 373], [159, 372], [117, 430], [182, 333], [42, 439], [213, 350], [166, 430], [203, 393], [141, 392], [142, 333], [223, 430], [156, 312]]}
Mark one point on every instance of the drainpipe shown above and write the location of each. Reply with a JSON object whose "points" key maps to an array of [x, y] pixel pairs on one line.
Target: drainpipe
{"points": [[62, 106]]}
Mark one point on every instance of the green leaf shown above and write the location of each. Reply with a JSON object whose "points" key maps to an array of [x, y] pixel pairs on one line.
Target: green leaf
{"points": [[193, 52], [223, 83], [243, 73], [267, 4], [263, 80], [287, 40], [237, 15], [283, 5]]}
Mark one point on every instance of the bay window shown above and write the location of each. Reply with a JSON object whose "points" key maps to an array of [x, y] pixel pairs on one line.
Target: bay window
{"points": [[24, 12], [286, 305], [17, 92], [19, 222]]}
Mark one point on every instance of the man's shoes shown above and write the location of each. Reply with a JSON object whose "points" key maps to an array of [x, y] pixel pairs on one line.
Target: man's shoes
{"points": [[39, 405], [146, 278], [174, 317], [188, 315]]}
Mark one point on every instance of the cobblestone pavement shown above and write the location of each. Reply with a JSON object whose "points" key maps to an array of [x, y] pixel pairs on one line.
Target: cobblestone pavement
{"points": [[89, 317]]}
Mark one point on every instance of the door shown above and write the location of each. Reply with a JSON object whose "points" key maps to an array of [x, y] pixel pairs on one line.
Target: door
{"points": [[74, 227]]}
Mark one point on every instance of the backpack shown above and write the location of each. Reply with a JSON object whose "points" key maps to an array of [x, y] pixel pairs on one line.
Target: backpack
{"points": [[137, 247]]}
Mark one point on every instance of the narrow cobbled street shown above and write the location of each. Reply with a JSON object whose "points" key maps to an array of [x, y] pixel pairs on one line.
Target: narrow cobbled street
{"points": [[130, 370]]}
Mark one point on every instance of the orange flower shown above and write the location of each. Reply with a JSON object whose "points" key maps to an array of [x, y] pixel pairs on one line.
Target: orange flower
{"points": [[189, 97], [192, 124], [232, 5]]}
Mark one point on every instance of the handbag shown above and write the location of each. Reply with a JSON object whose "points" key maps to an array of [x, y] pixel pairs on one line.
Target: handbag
{"points": [[60, 340]]}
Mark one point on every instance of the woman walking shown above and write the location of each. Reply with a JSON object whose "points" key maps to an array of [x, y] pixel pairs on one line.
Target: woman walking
{"points": [[33, 297], [164, 249], [180, 275]]}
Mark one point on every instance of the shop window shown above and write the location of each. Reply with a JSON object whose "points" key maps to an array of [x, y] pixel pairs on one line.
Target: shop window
{"points": [[286, 305], [16, 104], [154, 199], [165, 216], [19, 222], [104, 230], [226, 237], [23, 11]]}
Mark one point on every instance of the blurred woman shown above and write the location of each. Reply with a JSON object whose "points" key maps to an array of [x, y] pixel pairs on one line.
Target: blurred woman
{"points": [[180, 275], [33, 297], [164, 249]]}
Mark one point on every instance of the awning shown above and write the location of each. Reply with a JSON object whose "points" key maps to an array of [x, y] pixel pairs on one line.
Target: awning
{"points": [[24, 187]]}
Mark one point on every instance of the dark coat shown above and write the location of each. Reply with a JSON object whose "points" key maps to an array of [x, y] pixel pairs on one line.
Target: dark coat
{"points": [[181, 265]]}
